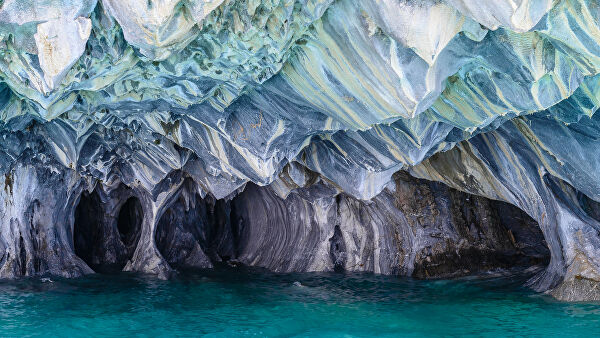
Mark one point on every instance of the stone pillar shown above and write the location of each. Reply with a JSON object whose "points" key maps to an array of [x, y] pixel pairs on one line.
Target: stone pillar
{"points": [[36, 215]]}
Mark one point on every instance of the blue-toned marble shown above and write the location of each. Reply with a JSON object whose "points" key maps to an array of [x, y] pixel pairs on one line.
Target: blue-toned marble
{"points": [[496, 99]]}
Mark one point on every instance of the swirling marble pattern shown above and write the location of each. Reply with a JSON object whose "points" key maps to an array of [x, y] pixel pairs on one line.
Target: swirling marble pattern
{"points": [[304, 110]]}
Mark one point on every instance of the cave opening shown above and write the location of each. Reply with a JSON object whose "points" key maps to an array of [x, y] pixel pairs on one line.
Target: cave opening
{"points": [[87, 229], [129, 223], [461, 234], [181, 234], [195, 233], [105, 242], [489, 235]]}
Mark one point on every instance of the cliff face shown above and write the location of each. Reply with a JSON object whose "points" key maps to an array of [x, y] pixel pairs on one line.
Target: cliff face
{"points": [[162, 134]]}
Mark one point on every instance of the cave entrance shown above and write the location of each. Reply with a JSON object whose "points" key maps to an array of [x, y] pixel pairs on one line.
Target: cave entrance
{"points": [[190, 232], [103, 242], [487, 235], [87, 229], [129, 223]]}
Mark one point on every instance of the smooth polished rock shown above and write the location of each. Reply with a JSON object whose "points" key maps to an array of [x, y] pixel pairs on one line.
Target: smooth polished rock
{"points": [[159, 27], [296, 115], [520, 15], [60, 43]]}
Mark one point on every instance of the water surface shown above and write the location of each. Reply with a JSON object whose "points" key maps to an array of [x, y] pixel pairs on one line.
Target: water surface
{"points": [[246, 302]]}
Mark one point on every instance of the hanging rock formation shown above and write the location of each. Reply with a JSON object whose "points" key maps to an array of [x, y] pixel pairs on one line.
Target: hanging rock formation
{"points": [[161, 135]]}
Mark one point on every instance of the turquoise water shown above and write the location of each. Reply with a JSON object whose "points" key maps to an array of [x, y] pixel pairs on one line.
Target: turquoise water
{"points": [[233, 303]]}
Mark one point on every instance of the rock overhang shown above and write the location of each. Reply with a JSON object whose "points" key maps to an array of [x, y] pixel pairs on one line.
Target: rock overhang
{"points": [[231, 92]]}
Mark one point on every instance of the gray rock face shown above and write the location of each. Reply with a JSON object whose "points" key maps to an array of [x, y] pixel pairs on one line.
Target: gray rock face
{"points": [[36, 236], [499, 164], [172, 134], [413, 227]]}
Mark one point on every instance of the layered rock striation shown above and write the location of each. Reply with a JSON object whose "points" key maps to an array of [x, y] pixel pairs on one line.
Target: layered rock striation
{"points": [[167, 134]]}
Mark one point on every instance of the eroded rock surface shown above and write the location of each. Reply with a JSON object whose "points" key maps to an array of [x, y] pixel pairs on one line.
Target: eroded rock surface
{"points": [[159, 135], [413, 227]]}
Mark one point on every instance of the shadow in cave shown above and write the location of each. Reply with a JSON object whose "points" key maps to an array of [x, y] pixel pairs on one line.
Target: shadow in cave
{"points": [[104, 242], [490, 235], [196, 232], [459, 234], [129, 224]]}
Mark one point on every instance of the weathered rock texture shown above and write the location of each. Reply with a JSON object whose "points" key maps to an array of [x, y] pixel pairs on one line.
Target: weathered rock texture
{"points": [[148, 135], [414, 227]]}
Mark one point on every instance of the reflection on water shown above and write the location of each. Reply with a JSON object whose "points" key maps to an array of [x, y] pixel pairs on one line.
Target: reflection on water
{"points": [[247, 302]]}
